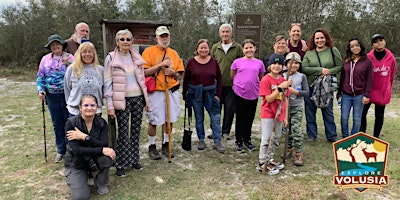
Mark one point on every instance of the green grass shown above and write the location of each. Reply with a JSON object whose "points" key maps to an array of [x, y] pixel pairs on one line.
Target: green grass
{"points": [[191, 175]]}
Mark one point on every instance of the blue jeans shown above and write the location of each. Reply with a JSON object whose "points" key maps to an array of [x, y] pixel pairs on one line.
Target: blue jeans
{"points": [[349, 102], [328, 117], [59, 115], [215, 119]]}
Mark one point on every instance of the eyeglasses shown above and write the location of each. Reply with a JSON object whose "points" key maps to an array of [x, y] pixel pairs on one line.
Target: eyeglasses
{"points": [[296, 24], [123, 39], [91, 105]]}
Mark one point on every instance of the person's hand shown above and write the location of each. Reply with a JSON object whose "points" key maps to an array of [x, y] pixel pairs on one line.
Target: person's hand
{"points": [[109, 152], [365, 100], [75, 135], [65, 58], [166, 63], [285, 123], [325, 71], [338, 96], [285, 84], [42, 96], [216, 97], [147, 107], [169, 72], [111, 113]]}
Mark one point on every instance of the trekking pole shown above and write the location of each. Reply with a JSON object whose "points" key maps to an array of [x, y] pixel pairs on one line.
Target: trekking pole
{"points": [[168, 120], [289, 129], [277, 115], [44, 132]]}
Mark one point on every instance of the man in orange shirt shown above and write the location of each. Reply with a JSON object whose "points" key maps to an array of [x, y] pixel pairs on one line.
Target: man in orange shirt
{"points": [[165, 64]]}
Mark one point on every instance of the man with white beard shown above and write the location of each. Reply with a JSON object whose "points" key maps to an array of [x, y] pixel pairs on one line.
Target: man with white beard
{"points": [[166, 66], [81, 34]]}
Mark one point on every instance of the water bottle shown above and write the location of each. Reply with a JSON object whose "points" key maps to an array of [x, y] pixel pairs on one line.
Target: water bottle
{"points": [[339, 103]]}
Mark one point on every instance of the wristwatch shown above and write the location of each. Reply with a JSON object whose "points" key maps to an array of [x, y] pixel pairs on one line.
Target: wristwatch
{"points": [[87, 138], [280, 89]]}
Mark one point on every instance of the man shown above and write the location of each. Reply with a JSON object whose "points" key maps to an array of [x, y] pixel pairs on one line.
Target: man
{"points": [[165, 64], [226, 51], [81, 34]]}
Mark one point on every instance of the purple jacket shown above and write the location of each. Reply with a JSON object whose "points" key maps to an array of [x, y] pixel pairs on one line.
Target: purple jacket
{"points": [[357, 78]]}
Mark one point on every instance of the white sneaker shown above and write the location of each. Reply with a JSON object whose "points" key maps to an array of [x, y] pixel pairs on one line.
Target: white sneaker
{"points": [[270, 169], [276, 165], [59, 158]]}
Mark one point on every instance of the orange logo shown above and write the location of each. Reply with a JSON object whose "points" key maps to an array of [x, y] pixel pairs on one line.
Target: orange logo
{"points": [[361, 162]]}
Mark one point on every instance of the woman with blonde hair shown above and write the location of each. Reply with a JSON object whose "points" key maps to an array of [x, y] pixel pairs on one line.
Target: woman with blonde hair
{"points": [[84, 76]]}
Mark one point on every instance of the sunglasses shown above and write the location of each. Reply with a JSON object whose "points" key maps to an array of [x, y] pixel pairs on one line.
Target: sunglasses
{"points": [[123, 39], [91, 105], [296, 24]]}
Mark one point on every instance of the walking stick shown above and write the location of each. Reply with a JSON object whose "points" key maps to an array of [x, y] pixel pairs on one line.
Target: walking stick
{"points": [[277, 115], [168, 120], [289, 129], [44, 132]]}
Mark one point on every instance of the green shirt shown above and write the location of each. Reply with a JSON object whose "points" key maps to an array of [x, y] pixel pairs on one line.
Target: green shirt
{"points": [[225, 60], [312, 68]]}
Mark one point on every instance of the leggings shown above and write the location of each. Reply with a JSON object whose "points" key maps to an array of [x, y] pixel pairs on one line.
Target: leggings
{"points": [[379, 116]]}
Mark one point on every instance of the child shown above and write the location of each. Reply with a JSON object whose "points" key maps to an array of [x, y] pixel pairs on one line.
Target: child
{"points": [[298, 91], [384, 73], [272, 92]]}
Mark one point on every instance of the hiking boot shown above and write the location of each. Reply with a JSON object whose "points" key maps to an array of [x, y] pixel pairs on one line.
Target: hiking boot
{"points": [[270, 170], [164, 150], [120, 172], [298, 159], [226, 136], [59, 157], [201, 145], [289, 153], [275, 164], [218, 146], [153, 153], [101, 189], [239, 148], [249, 146], [137, 166]]}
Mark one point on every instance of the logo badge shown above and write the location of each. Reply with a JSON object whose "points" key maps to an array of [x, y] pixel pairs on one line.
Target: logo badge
{"points": [[361, 162]]}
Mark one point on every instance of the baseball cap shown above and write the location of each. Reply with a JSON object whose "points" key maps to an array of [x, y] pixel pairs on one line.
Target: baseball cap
{"points": [[162, 30], [273, 58], [296, 57], [375, 37]]}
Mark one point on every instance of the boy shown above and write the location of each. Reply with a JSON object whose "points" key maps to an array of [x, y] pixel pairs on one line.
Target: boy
{"points": [[272, 92], [298, 91]]}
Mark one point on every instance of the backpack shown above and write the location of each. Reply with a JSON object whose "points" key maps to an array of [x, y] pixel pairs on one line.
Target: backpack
{"points": [[323, 89]]}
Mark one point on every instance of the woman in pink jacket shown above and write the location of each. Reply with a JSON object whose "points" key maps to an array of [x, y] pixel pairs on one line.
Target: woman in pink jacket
{"points": [[126, 96], [384, 72]]}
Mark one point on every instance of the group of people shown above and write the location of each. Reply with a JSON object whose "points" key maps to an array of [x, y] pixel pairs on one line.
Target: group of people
{"points": [[225, 76]]}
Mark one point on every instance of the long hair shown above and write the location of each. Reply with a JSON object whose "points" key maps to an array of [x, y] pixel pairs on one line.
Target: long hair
{"points": [[328, 38], [349, 54], [78, 64]]}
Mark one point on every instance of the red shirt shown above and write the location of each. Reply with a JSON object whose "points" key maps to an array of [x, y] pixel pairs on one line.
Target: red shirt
{"points": [[268, 110]]}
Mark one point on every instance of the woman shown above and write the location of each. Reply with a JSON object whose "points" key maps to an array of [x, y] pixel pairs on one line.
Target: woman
{"points": [[320, 60], [87, 153], [384, 68], [355, 85], [246, 74], [84, 76], [295, 43], [50, 86], [202, 88], [126, 96], [280, 47]]}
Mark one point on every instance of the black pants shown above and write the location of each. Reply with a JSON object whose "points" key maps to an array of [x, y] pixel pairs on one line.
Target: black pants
{"points": [[245, 112], [379, 116], [228, 102]]}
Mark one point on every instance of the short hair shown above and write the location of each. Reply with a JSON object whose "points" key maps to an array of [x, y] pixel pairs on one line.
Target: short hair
{"points": [[87, 96], [202, 41], [278, 38], [81, 24], [123, 32], [225, 26]]}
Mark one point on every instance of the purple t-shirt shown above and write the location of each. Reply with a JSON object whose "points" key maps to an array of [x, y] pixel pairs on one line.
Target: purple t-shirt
{"points": [[246, 81]]}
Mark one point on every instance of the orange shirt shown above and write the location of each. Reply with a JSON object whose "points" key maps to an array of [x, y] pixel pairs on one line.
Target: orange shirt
{"points": [[153, 55]]}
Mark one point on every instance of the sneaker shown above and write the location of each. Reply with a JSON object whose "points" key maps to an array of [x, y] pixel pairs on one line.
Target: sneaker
{"points": [[311, 139], [153, 153], [270, 169], [239, 148], [218, 146], [101, 189], [226, 136], [120, 172], [137, 166], [201, 145], [249, 146], [276, 165], [333, 139], [164, 150], [59, 158]]}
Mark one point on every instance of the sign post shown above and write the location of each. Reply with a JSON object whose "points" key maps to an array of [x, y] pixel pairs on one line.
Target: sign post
{"points": [[249, 26]]}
